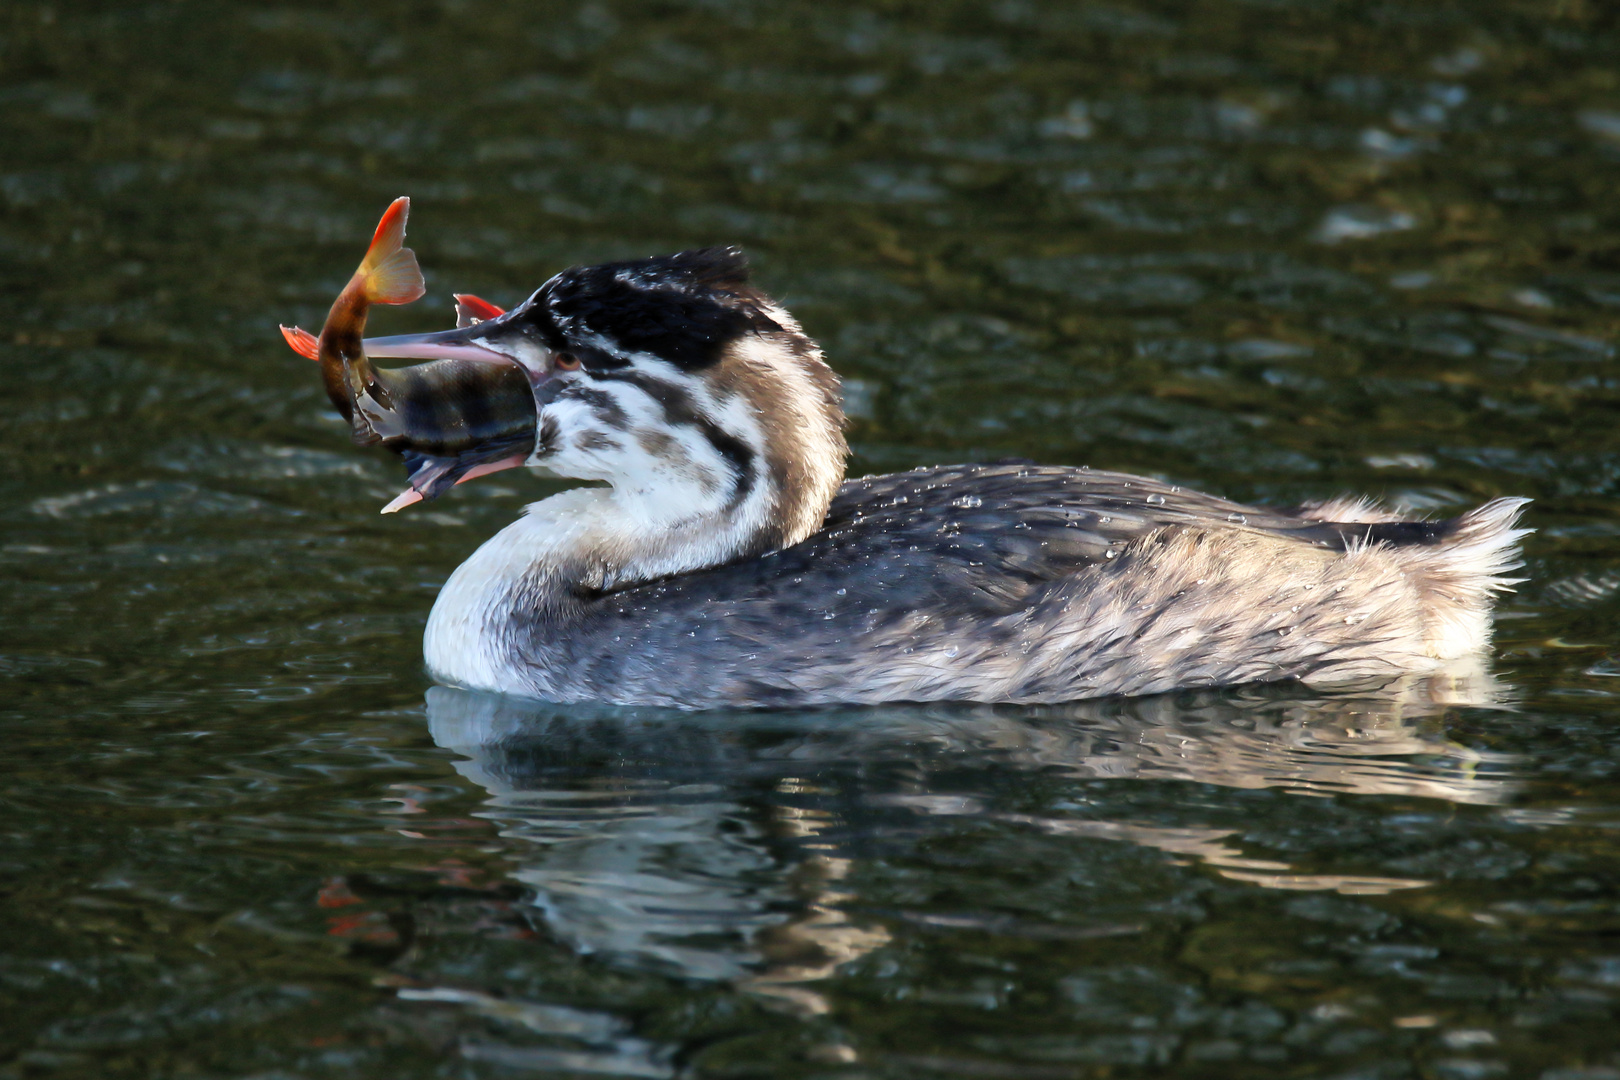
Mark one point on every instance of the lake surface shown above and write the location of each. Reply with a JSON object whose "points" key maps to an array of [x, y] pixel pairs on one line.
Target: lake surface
{"points": [[1276, 250]]}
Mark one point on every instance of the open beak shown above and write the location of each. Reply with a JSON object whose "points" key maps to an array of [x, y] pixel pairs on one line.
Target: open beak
{"points": [[468, 411], [461, 344], [430, 475]]}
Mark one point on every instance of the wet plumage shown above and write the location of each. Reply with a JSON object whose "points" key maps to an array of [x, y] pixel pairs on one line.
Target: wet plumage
{"points": [[1021, 583], [727, 562]]}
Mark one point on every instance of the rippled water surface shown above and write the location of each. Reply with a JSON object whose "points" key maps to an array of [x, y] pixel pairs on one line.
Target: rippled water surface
{"points": [[1278, 250]]}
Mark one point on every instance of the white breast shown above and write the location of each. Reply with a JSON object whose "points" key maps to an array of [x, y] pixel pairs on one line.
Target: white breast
{"points": [[464, 644]]}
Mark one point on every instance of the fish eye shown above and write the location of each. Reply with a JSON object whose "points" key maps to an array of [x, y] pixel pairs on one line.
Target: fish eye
{"points": [[565, 362]]}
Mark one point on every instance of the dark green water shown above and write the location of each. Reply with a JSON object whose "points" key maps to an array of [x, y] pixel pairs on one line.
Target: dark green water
{"points": [[1278, 250]]}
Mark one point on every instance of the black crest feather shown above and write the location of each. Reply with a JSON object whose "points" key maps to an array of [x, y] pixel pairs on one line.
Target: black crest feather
{"points": [[683, 308]]}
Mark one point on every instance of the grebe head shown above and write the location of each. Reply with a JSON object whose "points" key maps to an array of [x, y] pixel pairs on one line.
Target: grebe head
{"points": [[695, 396]]}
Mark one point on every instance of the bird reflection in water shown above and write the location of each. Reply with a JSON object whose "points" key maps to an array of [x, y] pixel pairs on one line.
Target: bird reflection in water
{"points": [[720, 847]]}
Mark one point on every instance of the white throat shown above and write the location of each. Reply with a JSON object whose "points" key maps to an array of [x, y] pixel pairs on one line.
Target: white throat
{"points": [[585, 540]]}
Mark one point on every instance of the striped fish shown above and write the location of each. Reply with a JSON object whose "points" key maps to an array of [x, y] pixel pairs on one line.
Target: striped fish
{"points": [[450, 419]]}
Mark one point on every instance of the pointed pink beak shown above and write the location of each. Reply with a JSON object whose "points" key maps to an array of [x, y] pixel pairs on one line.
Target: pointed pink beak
{"points": [[444, 345]]}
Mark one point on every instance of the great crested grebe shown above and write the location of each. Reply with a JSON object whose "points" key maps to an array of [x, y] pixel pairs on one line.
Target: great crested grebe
{"points": [[729, 563]]}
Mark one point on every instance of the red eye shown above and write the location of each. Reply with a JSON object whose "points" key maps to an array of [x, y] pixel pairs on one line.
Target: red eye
{"points": [[565, 362]]}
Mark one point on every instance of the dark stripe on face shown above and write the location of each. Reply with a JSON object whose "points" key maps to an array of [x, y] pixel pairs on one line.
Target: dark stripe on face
{"points": [[681, 411], [596, 441], [607, 410], [545, 438]]}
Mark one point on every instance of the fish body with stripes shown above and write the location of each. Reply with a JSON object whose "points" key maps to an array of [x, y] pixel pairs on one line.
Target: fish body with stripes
{"points": [[451, 420]]}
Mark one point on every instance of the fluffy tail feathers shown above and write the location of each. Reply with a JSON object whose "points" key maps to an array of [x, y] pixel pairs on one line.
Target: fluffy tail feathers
{"points": [[1461, 574], [1483, 546]]}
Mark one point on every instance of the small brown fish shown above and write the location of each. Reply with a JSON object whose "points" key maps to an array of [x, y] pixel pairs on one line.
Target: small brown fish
{"points": [[387, 275], [450, 419]]}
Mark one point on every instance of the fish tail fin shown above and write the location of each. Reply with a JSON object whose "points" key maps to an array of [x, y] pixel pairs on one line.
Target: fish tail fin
{"points": [[302, 342], [389, 269]]}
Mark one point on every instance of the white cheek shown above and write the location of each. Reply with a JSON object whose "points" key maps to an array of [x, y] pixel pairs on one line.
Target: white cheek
{"points": [[663, 472], [683, 475], [575, 448]]}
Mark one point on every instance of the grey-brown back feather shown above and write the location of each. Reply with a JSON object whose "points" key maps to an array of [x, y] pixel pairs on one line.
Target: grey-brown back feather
{"points": [[1018, 583]]}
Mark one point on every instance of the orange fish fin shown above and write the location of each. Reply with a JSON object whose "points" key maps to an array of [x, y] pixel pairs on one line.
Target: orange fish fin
{"points": [[471, 309], [390, 234], [396, 279], [302, 342], [389, 269]]}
